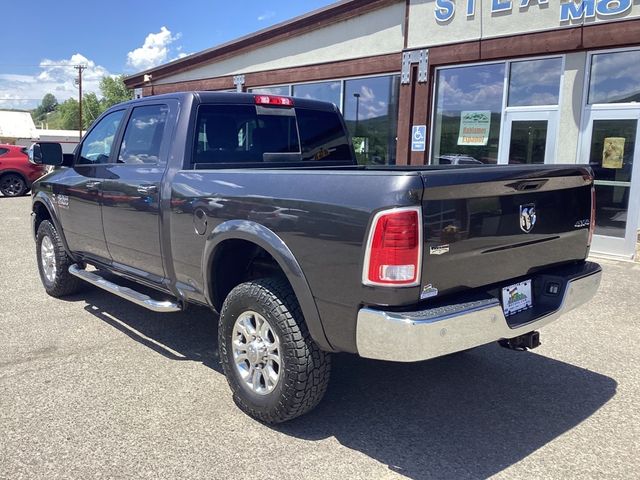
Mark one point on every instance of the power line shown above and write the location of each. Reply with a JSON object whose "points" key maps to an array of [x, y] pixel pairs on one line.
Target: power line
{"points": [[41, 65]]}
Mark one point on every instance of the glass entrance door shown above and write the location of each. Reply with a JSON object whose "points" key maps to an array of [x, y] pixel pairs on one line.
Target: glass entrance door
{"points": [[610, 145], [530, 137]]}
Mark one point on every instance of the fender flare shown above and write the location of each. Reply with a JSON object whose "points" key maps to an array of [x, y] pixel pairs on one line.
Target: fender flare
{"points": [[275, 246], [46, 202]]}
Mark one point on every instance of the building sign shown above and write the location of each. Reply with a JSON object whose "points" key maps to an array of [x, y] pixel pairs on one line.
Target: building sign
{"points": [[418, 138], [474, 128], [570, 10]]}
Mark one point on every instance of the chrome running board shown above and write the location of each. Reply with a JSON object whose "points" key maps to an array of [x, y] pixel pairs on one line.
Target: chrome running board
{"points": [[162, 306]]}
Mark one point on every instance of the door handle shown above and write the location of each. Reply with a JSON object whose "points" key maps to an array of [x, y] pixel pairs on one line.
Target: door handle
{"points": [[147, 189], [93, 186]]}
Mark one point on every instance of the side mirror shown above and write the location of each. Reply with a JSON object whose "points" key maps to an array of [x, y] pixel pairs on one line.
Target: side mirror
{"points": [[46, 153]]}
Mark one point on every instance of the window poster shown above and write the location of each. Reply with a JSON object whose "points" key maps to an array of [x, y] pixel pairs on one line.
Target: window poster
{"points": [[474, 128], [613, 152]]}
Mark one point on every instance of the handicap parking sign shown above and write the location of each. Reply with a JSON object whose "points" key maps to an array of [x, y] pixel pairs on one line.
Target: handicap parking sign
{"points": [[419, 138]]}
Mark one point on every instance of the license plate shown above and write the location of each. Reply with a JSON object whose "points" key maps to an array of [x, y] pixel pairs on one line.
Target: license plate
{"points": [[516, 298]]}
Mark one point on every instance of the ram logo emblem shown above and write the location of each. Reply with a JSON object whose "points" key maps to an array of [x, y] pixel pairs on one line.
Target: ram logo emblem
{"points": [[528, 217]]}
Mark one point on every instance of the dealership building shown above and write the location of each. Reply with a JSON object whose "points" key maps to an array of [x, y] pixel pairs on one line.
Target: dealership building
{"points": [[458, 82]]}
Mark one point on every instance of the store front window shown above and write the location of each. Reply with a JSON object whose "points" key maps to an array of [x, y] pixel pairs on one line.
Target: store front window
{"points": [[324, 91], [371, 114], [468, 113], [535, 82], [472, 112], [615, 77]]}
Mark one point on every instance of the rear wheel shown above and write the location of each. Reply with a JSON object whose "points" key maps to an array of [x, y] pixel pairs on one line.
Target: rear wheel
{"points": [[274, 368], [54, 263], [13, 185]]}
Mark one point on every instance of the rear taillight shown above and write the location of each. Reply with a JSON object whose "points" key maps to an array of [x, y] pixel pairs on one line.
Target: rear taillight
{"points": [[592, 220], [274, 100], [394, 248]]}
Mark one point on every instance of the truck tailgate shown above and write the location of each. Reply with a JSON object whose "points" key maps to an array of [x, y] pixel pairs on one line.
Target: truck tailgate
{"points": [[488, 225]]}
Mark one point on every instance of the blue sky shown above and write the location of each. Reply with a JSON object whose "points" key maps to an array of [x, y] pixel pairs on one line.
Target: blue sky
{"points": [[47, 37]]}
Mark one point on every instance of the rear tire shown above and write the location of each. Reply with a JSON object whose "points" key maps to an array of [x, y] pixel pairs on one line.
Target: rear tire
{"points": [[274, 368], [13, 185], [54, 263]]}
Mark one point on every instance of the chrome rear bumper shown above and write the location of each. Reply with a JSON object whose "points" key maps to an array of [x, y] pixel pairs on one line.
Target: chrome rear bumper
{"points": [[415, 336]]}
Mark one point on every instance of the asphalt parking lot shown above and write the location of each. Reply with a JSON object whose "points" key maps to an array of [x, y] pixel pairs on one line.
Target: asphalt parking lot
{"points": [[94, 387]]}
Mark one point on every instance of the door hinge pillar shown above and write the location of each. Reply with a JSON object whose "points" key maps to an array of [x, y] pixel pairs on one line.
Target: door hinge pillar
{"points": [[411, 57]]}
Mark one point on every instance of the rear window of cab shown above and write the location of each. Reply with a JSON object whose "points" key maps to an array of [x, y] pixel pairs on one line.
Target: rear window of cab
{"points": [[255, 134]]}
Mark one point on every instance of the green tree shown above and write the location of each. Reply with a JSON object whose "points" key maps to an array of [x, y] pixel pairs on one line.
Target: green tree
{"points": [[92, 108], [49, 103], [114, 91], [69, 114], [66, 114]]}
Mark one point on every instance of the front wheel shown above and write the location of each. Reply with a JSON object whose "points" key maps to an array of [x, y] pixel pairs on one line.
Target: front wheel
{"points": [[13, 185], [274, 368]]}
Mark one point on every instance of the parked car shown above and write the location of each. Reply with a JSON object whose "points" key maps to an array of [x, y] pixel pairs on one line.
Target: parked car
{"points": [[255, 206], [16, 172], [456, 159]]}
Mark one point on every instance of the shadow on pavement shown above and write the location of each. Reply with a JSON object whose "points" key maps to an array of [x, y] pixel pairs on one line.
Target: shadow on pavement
{"points": [[190, 335], [465, 416]]}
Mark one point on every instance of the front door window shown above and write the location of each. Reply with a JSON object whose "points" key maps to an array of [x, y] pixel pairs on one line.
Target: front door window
{"points": [[96, 146]]}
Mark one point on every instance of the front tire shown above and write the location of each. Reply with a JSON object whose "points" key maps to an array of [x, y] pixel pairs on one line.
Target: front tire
{"points": [[54, 263], [274, 368], [13, 185]]}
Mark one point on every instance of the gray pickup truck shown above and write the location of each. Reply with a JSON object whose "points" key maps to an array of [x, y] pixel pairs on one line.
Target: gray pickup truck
{"points": [[255, 206]]}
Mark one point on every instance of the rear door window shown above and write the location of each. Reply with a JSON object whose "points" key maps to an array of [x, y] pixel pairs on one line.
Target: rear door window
{"points": [[143, 135], [248, 134]]}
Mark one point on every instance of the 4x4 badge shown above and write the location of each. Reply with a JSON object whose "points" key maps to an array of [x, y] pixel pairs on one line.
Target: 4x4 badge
{"points": [[528, 217]]}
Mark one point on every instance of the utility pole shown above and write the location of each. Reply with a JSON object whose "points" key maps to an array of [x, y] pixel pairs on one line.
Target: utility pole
{"points": [[80, 69]]}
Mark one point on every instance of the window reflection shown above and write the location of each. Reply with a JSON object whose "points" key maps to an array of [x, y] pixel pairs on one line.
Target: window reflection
{"points": [[282, 90], [535, 82], [615, 77], [468, 112], [371, 114], [324, 91], [528, 142]]}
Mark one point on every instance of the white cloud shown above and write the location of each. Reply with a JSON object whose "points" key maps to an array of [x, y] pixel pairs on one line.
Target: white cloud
{"points": [[54, 76], [155, 50], [467, 95], [366, 93], [266, 16]]}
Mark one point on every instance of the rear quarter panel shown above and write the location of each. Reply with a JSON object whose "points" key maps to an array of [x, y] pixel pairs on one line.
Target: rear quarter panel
{"points": [[321, 216]]}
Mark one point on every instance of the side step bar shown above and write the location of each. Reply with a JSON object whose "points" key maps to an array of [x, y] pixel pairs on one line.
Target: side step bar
{"points": [[164, 306]]}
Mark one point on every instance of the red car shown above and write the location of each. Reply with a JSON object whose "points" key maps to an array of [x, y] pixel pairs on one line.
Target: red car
{"points": [[16, 172]]}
